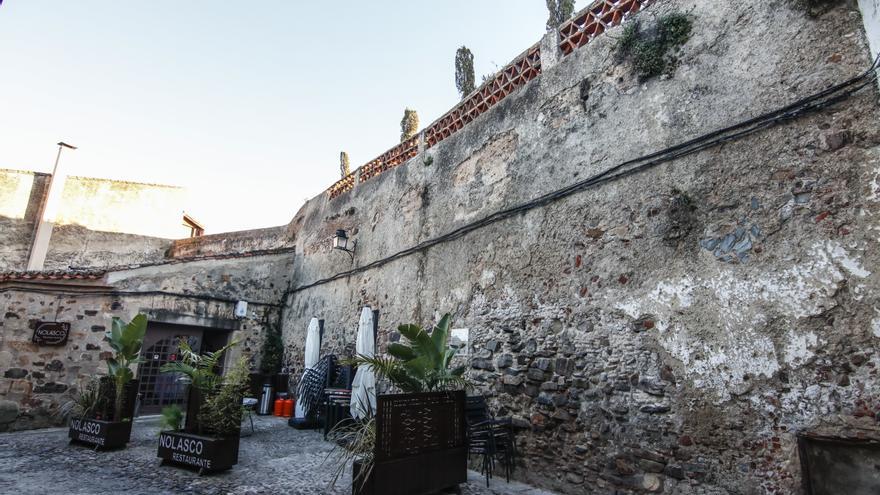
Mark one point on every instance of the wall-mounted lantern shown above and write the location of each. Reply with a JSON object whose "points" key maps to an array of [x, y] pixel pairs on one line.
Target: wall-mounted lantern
{"points": [[340, 242]]}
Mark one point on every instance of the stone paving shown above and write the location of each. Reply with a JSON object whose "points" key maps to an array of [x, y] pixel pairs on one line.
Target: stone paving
{"points": [[275, 459]]}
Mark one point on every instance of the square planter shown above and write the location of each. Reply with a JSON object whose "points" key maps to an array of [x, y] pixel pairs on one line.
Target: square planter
{"points": [[420, 447], [100, 434], [103, 434], [207, 454]]}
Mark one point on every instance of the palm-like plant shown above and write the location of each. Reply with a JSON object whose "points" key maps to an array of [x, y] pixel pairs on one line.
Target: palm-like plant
{"points": [[198, 370], [126, 339], [422, 364]]}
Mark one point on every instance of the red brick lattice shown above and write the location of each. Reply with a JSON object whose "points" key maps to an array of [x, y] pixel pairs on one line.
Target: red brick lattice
{"points": [[519, 72], [595, 20], [588, 24], [391, 158], [344, 184]]}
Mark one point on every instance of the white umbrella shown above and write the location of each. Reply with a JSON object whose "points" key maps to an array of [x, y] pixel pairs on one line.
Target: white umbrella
{"points": [[363, 389], [313, 354]]}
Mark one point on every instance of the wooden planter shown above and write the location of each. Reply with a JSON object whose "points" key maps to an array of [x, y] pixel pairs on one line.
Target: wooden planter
{"points": [[102, 434], [201, 452], [207, 454], [421, 447]]}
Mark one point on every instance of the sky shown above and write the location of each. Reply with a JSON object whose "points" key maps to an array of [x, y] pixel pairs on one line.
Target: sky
{"points": [[245, 104]]}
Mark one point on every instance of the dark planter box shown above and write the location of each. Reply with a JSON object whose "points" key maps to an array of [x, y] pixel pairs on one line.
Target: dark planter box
{"points": [[188, 449], [100, 434], [359, 486], [106, 434], [207, 454], [420, 445]]}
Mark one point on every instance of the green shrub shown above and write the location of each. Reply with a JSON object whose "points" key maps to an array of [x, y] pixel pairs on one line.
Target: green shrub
{"points": [[221, 411], [172, 418]]}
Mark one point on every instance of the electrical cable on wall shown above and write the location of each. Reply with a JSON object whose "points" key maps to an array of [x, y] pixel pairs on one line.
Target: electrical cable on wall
{"points": [[804, 106]]}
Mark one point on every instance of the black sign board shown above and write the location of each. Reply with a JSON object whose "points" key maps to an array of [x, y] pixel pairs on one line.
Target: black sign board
{"points": [[51, 333]]}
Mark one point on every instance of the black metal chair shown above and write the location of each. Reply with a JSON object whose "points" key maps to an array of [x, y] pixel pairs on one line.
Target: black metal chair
{"points": [[490, 438]]}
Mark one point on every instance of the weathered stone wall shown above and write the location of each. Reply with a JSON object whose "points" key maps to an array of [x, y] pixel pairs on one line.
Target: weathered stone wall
{"points": [[36, 380], [100, 223], [668, 332], [241, 242], [104, 205], [20, 196]]}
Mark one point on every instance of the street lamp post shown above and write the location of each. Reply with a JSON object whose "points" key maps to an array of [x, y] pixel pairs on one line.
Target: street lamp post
{"points": [[46, 218]]}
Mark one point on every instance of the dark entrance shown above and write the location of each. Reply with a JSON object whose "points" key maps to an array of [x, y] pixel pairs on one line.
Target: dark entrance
{"points": [[836, 465], [162, 345]]}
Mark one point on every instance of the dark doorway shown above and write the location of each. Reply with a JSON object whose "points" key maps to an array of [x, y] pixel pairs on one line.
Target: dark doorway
{"points": [[834, 465], [161, 346]]}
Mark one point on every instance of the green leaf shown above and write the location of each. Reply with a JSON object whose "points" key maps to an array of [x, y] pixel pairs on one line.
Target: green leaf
{"points": [[440, 334], [400, 351]]}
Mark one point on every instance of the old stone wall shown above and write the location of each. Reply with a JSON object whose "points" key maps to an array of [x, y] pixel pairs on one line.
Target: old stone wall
{"points": [[672, 331], [37, 379], [241, 242], [99, 223], [20, 196]]}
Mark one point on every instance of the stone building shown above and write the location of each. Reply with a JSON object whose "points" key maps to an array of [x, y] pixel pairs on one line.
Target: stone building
{"points": [[688, 323], [98, 222]]}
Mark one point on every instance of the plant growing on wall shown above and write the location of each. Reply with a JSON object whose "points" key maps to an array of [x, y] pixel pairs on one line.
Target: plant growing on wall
{"points": [[464, 71], [560, 11], [652, 50], [126, 339], [344, 164], [409, 124]]}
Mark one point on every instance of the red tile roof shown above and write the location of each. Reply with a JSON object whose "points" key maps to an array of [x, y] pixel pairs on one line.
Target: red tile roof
{"points": [[52, 275]]}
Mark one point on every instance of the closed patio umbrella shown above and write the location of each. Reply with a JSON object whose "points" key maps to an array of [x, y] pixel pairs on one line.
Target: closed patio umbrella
{"points": [[363, 389], [313, 354]]}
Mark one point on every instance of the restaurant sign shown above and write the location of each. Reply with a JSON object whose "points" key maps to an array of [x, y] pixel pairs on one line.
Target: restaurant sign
{"points": [[51, 333]]}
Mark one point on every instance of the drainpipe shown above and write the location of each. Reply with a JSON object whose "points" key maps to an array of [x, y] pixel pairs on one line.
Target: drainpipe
{"points": [[46, 216]]}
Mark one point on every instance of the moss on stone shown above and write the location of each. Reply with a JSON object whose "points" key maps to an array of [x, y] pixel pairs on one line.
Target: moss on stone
{"points": [[651, 51]]}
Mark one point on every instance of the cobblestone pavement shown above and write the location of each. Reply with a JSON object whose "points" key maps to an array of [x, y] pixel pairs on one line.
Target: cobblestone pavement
{"points": [[276, 459]]}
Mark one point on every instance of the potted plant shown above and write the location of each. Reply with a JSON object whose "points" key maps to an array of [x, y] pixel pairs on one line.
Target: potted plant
{"points": [[208, 438], [270, 368], [415, 443], [102, 411]]}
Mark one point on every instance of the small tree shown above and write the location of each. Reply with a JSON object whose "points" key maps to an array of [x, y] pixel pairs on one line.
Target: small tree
{"points": [[560, 11], [344, 164], [464, 71], [409, 124]]}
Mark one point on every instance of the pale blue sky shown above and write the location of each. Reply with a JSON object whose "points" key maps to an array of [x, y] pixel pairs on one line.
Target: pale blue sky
{"points": [[247, 104]]}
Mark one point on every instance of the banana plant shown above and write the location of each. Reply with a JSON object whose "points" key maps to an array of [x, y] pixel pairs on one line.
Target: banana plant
{"points": [[422, 364], [126, 339]]}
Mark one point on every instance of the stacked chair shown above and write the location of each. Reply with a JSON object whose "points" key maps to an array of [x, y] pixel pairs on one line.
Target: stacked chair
{"points": [[492, 439]]}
